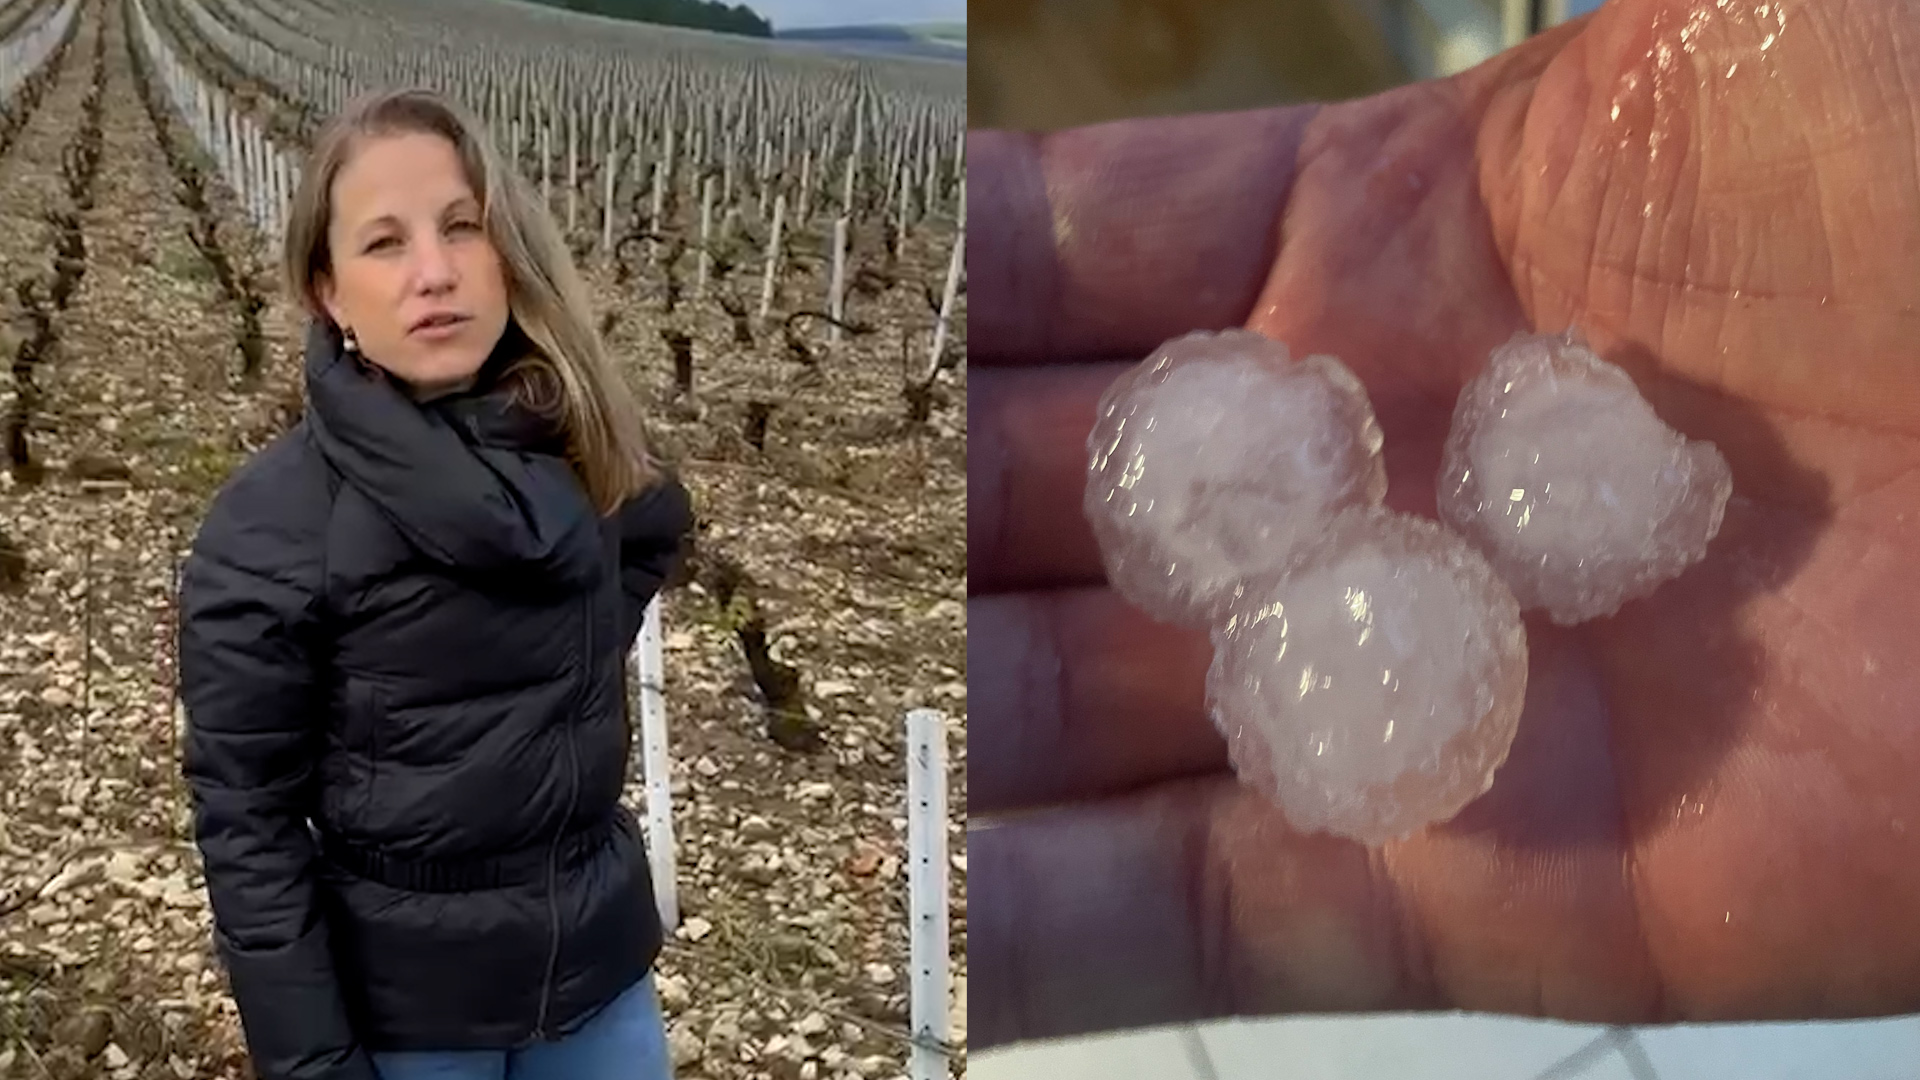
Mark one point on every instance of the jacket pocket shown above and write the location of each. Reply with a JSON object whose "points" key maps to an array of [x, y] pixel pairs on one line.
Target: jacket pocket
{"points": [[366, 724]]}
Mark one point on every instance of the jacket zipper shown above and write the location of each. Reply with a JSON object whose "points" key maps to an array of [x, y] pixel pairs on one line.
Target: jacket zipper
{"points": [[365, 709], [553, 847]]}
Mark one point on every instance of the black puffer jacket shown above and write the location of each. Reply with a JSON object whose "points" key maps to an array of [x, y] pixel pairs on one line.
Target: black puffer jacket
{"points": [[402, 640]]}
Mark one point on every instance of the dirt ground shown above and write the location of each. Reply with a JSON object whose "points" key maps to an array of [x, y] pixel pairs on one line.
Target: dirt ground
{"points": [[791, 959]]}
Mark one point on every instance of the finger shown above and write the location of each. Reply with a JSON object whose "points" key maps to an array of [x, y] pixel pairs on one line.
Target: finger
{"points": [[1076, 695], [1194, 899], [1027, 462], [1134, 912], [1026, 472], [1105, 240]]}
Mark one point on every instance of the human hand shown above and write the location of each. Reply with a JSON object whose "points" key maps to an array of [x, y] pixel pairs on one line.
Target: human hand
{"points": [[1712, 808]]}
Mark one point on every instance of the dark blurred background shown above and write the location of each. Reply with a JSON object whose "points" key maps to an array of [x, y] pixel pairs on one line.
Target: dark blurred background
{"points": [[1047, 64]]}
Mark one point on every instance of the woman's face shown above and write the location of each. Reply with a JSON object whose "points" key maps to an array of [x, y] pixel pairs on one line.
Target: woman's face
{"points": [[415, 277]]}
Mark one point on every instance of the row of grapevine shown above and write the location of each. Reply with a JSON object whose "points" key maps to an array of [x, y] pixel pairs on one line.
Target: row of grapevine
{"points": [[756, 124], [23, 54], [774, 141], [261, 174]]}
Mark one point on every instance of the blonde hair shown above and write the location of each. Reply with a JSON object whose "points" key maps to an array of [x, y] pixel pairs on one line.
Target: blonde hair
{"points": [[566, 375]]}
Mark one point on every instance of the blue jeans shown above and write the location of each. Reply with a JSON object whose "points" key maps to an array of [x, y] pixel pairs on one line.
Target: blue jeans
{"points": [[627, 1040]]}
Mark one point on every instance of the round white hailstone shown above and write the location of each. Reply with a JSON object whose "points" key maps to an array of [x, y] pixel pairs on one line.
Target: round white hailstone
{"points": [[1218, 457], [1580, 497], [1377, 688]]}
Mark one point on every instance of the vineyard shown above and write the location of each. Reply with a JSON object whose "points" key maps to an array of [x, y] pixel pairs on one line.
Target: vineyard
{"points": [[774, 242]]}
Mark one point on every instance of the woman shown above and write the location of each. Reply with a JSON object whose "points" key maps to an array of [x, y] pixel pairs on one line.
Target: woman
{"points": [[402, 633]]}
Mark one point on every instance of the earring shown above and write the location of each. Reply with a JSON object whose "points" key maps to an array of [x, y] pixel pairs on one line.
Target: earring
{"points": [[351, 349]]}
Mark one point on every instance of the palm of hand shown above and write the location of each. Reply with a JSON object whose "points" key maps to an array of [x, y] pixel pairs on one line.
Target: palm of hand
{"points": [[1711, 809]]}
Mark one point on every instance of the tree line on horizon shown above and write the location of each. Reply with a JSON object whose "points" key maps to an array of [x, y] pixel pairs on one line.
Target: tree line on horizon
{"points": [[696, 14]]}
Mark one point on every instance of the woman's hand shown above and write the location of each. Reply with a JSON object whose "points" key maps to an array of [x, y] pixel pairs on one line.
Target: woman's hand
{"points": [[1712, 809]]}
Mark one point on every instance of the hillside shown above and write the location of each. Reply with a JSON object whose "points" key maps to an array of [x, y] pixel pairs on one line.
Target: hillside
{"points": [[698, 14], [933, 41]]}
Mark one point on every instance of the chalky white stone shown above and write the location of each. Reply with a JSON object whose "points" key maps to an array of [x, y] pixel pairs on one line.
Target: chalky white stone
{"points": [[1219, 455], [1376, 688], [1560, 473]]}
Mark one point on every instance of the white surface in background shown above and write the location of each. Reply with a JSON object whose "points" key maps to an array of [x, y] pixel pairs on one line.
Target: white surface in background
{"points": [[796, 14], [1455, 1046], [1861, 1050], [1469, 32], [1162, 1053], [1434, 1047]]}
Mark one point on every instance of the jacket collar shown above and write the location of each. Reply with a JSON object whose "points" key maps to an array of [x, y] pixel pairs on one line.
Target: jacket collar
{"points": [[472, 480]]}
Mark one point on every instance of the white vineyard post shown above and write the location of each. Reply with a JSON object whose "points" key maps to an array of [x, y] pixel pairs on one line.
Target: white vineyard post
{"points": [[786, 146], [636, 134], [279, 197], [639, 138], [837, 286], [760, 182], [236, 140], [216, 122], [229, 125], [546, 164], [656, 763], [249, 204], [697, 171], [773, 255], [269, 189], [597, 118], [960, 152], [953, 287], [573, 167], [929, 173], [927, 890], [232, 147], [256, 175], [690, 146], [237, 158], [900, 208], [606, 216], [853, 159], [262, 182], [659, 202], [891, 177], [806, 187], [706, 233], [667, 176]]}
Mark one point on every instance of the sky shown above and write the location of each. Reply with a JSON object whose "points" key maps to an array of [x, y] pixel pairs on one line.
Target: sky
{"points": [[795, 14]]}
